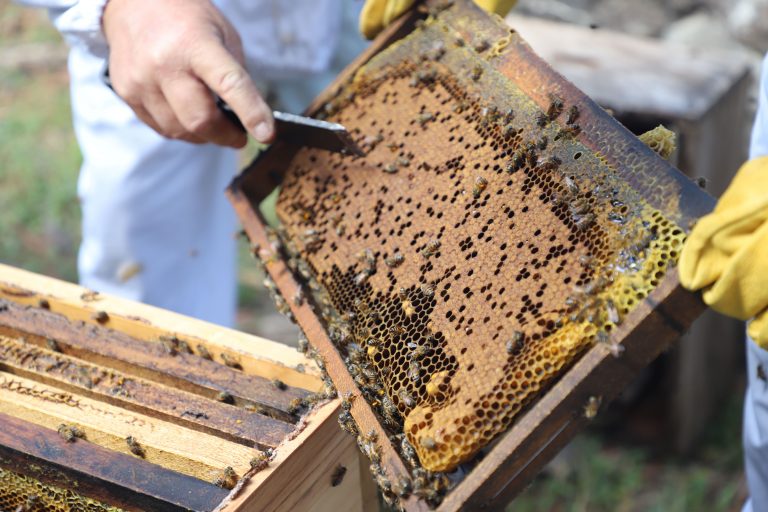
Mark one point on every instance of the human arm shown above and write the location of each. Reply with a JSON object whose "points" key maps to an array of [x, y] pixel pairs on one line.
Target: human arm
{"points": [[168, 58], [726, 254]]}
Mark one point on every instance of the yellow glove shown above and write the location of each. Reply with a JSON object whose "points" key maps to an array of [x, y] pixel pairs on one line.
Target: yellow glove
{"points": [[727, 252], [377, 14]]}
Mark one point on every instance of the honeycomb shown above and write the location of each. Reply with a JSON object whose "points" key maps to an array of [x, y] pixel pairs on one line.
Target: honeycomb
{"points": [[475, 251], [21, 493]]}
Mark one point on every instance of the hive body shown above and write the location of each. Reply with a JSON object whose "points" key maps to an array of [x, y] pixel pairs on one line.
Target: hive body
{"points": [[475, 251]]}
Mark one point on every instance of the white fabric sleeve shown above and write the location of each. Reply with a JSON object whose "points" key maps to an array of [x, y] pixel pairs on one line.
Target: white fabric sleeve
{"points": [[79, 21]]}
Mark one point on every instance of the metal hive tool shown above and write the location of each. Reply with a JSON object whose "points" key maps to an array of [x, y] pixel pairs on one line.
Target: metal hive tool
{"points": [[499, 227]]}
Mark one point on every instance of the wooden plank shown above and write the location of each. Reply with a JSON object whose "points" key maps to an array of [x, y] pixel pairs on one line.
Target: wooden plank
{"points": [[559, 414], [366, 420], [633, 74], [151, 361], [301, 476], [258, 356], [136, 394], [173, 447], [121, 480]]}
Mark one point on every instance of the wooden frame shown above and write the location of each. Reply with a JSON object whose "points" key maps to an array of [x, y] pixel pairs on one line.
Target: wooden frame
{"points": [[178, 454], [597, 377]]}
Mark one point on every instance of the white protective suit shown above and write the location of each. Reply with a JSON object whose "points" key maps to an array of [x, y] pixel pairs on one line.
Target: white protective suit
{"points": [[755, 428], [157, 227]]}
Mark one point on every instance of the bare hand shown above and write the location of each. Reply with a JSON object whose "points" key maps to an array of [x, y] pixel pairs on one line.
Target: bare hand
{"points": [[168, 57]]}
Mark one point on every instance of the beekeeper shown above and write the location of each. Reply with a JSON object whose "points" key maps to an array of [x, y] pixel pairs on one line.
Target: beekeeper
{"points": [[726, 256]]}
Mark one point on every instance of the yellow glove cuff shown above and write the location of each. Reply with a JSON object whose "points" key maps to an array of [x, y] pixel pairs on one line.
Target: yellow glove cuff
{"points": [[377, 14], [727, 251]]}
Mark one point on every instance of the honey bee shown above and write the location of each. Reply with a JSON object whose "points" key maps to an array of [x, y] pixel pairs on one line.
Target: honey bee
{"points": [[568, 132], [615, 348], [43, 304], [277, 383], [395, 260], [362, 277], [426, 76], [202, 351], [476, 73], [260, 461], [579, 206], [406, 399], [573, 115], [89, 296], [134, 447], [225, 398], [583, 222], [101, 317], [338, 475], [481, 46], [592, 406], [414, 371], [428, 443], [184, 347], [170, 344], [418, 351], [70, 433], [389, 411], [570, 186], [428, 290], [296, 405], [52, 344], [431, 248], [516, 343], [347, 423], [227, 479], [425, 117], [480, 185], [396, 330], [298, 297], [231, 361], [549, 164], [403, 488], [612, 312], [555, 107], [403, 161], [542, 119], [542, 143], [346, 401]]}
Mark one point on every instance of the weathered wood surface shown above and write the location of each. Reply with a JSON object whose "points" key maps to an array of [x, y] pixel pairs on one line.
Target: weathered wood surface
{"points": [[318, 451], [171, 446], [136, 394], [151, 361], [633, 74], [121, 480], [258, 356]]}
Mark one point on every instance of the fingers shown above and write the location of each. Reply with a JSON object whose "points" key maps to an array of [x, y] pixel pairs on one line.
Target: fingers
{"points": [[220, 71], [197, 114]]}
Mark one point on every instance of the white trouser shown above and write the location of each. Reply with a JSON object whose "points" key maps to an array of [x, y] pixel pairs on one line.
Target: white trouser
{"points": [[151, 206], [755, 429]]}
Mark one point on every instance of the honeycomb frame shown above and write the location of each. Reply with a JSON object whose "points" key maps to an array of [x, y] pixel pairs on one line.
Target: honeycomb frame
{"points": [[497, 66]]}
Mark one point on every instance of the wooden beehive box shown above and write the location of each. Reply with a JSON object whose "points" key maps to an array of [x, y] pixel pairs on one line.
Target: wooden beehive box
{"points": [[195, 397], [491, 273]]}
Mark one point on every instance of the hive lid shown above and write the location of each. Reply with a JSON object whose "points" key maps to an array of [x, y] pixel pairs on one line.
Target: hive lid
{"points": [[498, 265]]}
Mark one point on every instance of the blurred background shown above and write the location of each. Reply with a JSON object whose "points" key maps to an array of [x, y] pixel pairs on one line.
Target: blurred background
{"points": [[668, 444]]}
